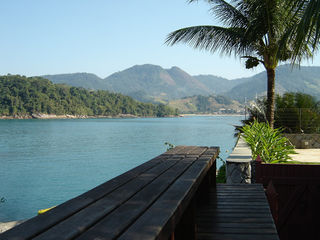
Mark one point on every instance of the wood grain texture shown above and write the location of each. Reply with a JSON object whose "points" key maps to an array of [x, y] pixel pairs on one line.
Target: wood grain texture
{"points": [[236, 212], [162, 217], [117, 221]]}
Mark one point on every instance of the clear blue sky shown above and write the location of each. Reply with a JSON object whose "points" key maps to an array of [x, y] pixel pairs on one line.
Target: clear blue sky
{"points": [[105, 36]]}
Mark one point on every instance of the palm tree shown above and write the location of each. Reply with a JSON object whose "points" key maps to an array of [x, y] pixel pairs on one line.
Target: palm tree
{"points": [[252, 29]]}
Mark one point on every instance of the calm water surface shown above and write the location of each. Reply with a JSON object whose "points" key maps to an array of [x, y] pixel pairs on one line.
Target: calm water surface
{"points": [[46, 162]]}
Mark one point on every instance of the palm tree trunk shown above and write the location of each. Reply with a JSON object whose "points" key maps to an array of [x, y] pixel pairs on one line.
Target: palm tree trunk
{"points": [[271, 96]]}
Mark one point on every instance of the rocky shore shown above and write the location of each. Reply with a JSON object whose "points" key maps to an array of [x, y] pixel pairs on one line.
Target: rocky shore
{"points": [[66, 116]]}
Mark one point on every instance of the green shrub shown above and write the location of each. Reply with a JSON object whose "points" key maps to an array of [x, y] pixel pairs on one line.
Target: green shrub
{"points": [[266, 142], [294, 113], [221, 176], [297, 113]]}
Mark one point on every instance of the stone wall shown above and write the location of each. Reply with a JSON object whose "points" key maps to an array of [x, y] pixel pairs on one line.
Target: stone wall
{"points": [[239, 164], [302, 141]]}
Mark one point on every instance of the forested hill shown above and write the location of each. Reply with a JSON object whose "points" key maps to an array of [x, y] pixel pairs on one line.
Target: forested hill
{"points": [[207, 104], [153, 83], [22, 96]]}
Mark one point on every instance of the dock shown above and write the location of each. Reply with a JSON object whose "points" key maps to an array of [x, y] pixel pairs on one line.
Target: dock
{"points": [[172, 196]]}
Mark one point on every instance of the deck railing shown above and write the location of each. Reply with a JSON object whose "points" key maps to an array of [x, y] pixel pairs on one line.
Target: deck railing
{"points": [[293, 192]]}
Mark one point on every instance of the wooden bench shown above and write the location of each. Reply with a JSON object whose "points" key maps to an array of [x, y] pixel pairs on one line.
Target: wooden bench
{"points": [[155, 200]]}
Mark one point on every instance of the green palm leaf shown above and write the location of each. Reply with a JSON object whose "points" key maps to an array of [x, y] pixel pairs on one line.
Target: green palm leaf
{"points": [[212, 38], [307, 30]]}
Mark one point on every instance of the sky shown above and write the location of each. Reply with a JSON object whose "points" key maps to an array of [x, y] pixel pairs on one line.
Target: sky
{"points": [[39, 37]]}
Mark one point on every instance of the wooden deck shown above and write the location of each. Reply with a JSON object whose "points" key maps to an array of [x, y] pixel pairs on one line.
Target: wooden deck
{"points": [[236, 212], [146, 202], [173, 196]]}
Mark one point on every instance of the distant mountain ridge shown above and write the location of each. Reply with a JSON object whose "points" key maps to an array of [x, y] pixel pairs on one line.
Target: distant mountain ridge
{"points": [[288, 79], [206, 104], [85, 80], [152, 83], [155, 81]]}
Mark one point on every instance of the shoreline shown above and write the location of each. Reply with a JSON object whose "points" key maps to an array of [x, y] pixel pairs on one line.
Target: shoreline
{"points": [[210, 114], [69, 116]]}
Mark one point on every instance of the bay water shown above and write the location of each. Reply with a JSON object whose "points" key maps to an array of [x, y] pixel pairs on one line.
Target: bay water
{"points": [[46, 162]]}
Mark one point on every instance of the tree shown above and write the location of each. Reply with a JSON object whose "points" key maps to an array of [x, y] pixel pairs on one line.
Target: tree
{"points": [[252, 29], [294, 113]]}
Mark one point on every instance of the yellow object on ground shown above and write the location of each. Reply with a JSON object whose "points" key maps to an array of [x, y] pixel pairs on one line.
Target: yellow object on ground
{"points": [[41, 211]]}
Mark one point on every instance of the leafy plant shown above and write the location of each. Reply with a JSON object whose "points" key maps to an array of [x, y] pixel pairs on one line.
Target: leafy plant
{"points": [[266, 142], [169, 145], [221, 176]]}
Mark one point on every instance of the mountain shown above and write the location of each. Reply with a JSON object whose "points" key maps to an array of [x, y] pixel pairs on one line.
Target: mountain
{"points": [[288, 79], [206, 104], [85, 80], [143, 82], [156, 82], [218, 85], [152, 83]]}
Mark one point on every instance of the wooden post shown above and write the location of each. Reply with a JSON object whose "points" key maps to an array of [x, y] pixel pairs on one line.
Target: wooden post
{"points": [[258, 169], [208, 182], [186, 229]]}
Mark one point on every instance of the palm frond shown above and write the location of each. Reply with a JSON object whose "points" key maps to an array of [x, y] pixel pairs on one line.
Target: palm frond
{"points": [[213, 38], [228, 14], [307, 31]]}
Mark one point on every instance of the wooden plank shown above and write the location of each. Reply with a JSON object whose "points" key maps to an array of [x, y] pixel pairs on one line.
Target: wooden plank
{"points": [[43, 222], [213, 210], [226, 236], [243, 219], [232, 205], [244, 200], [196, 151], [116, 222], [237, 188], [240, 197], [193, 151], [174, 151], [186, 150], [86, 218], [170, 206], [234, 230], [211, 224], [236, 212]]}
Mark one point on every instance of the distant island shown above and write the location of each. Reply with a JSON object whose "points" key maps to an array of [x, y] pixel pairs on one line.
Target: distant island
{"points": [[35, 97]]}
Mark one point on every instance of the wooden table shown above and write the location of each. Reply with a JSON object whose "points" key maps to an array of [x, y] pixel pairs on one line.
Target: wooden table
{"points": [[147, 202]]}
